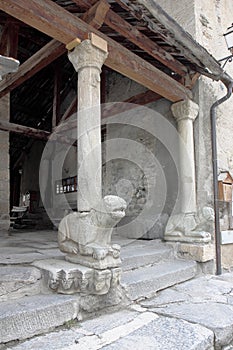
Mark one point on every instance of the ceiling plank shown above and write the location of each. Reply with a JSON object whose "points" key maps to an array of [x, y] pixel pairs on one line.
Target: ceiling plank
{"points": [[56, 22], [34, 64]]}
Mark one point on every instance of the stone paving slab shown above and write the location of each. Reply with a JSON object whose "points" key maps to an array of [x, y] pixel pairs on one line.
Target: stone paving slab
{"points": [[21, 258], [205, 300], [34, 315], [166, 334], [19, 281], [126, 330], [214, 316]]}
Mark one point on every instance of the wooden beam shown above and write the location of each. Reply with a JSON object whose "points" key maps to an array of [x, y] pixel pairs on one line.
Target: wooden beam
{"points": [[129, 104], [34, 64], [56, 22], [95, 16], [144, 98], [125, 29], [25, 130]]}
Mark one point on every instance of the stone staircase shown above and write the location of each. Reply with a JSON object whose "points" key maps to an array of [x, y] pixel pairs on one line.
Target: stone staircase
{"points": [[151, 266], [28, 308]]}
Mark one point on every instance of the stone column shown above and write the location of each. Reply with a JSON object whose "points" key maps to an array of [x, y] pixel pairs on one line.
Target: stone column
{"points": [[190, 225], [88, 59], [85, 235], [185, 112], [4, 166]]}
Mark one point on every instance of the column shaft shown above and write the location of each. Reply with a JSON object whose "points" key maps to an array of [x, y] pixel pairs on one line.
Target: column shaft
{"points": [[88, 60], [185, 113]]}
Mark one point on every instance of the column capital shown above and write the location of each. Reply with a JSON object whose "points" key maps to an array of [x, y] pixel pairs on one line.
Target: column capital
{"points": [[87, 55], [186, 109]]}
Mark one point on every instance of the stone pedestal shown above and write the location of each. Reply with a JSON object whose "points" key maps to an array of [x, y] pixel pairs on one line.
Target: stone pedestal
{"points": [[4, 168], [66, 278], [188, 226]]}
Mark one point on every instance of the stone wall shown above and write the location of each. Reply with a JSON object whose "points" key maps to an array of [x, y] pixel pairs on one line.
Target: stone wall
{"points": [[139, 167], [4, 166]]}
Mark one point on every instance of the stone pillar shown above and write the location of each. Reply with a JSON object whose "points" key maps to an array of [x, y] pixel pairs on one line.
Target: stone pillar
{"points": [[191, 225], [185, 112], [88, 59], [4, 166], [85, 235]]}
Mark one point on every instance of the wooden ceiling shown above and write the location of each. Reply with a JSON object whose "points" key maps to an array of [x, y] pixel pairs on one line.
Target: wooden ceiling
{"points": [[140, 47]]}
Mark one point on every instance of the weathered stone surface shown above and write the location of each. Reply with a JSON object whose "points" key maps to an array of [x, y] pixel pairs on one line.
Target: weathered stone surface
{"points": [[52, 341], [17, 281], [86, 236], [135, 257], [190, 227], [166, 334], [34, 315], [67, 278], [165, 297], [206, 289], [198, 252], [24, 258], [87, 61], [215, 316], [146, 282]]}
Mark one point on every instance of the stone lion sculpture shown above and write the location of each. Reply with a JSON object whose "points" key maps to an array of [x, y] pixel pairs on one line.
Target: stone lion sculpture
{"points": [[89, 233]]}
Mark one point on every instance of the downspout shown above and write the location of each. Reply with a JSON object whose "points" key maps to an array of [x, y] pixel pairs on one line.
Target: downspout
{"points": [[229, 85]]}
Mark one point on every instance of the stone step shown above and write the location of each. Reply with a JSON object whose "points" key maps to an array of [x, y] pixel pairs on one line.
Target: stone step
{"points": [[33, 315], [146, 281], [125, 330], [19, 281], [134, 257]]}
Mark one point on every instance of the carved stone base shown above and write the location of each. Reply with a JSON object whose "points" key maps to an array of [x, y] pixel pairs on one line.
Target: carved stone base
{"points": [[190, 227], [67, 278], [198, 252], [107, 262]]}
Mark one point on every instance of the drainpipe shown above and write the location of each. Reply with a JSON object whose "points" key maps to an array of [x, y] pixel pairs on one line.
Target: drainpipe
{"points": [[229, 84]]}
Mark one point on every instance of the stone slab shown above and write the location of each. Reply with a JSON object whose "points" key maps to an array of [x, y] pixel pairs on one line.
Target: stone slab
{"points": [[24, 258], [214, 316], [166, 334], [135, 257], [34, 315], [145, 282], [126, 330], [165, 297], [206, 289], [197, 252], [17, 281]]}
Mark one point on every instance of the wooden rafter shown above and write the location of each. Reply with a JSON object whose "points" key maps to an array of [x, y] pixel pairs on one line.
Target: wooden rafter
{"points": [[56, 22], [25, 130], [131, 33], [9, 40]]}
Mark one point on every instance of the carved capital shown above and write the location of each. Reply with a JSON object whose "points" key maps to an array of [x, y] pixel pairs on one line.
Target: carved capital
{"points": [[185, 110], [87, 55]]}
